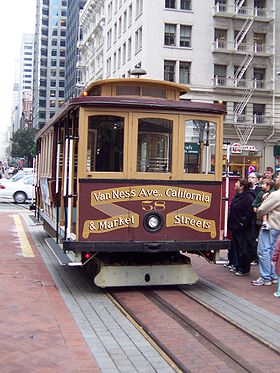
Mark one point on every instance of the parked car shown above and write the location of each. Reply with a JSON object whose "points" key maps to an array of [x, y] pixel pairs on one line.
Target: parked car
{"points": [[15, 170], [26, 170], [19, 191], [16, 177], [12, 170]]}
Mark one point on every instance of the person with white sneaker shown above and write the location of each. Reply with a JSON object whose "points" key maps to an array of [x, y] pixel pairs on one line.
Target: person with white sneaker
{"points": [[276, 262], [268, 237]]}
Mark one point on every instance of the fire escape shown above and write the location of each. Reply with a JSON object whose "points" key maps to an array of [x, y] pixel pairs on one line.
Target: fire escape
{"points": [[244, 123], [243, 131]]}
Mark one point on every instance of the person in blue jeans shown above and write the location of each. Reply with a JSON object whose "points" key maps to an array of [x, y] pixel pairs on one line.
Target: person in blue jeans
{"points": [[268, 237]]}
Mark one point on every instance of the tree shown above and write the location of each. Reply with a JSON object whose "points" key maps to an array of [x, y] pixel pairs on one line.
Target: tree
{"points": [[23, 144]]}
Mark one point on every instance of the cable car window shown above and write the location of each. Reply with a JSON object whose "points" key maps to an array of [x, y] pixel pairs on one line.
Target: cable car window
{"points": [[199, 146], [154, 145], [127, 91], [154, 92], [105, 143]]}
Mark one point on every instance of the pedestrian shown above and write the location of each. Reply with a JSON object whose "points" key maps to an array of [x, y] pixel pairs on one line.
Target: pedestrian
{"points": [[267, 187], [276, 262], [268, 173], [240, 223], [268, 237], [256, 188], [254, 180], [251, 169]]}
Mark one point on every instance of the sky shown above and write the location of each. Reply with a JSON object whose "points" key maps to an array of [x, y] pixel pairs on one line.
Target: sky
{"points": [[17, 17]]}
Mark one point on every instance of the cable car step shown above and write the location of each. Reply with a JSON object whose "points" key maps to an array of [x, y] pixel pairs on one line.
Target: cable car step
{"points": [[62, 258]]}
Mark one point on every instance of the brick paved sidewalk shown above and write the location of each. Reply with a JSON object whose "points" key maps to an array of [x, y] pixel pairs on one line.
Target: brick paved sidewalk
{"points": [[261, 296], [37, 332]]}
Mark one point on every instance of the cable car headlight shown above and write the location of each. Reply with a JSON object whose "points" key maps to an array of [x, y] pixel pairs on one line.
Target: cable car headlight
{"points": [[153, 222]]}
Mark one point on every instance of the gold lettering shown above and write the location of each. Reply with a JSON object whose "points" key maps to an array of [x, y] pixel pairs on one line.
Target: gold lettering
{"points": [[110, 224], [192, 222]]}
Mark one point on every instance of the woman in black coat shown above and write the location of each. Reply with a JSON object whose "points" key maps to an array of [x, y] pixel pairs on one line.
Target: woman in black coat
{"points": [[240, 221]]}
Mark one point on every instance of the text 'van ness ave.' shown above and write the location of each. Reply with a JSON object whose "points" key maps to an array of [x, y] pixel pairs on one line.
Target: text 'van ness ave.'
{"points": [[153, 192]]}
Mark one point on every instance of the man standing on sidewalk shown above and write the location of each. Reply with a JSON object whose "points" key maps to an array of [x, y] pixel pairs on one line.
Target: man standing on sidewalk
{"points": [[268, 237]]}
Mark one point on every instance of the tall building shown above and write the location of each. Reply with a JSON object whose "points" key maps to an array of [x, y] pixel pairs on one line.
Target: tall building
{"points": [[91, 43], [15, 117], [26, 80], [222, 49], [22, 89], [72, 35], [49, 59]]}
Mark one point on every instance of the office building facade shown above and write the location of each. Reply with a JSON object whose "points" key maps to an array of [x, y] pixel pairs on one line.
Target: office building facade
{"points": [[223, 50], [72, 35], [49, 59]]}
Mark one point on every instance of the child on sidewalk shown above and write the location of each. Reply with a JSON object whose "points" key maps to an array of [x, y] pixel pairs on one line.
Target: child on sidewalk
{"points": [[276, 261], [267, 187]]}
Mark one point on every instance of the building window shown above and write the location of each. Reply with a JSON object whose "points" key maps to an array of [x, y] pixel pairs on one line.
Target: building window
{"points": [[130, 15], [185, 36], [220, 37], [258, 113], [220, 73], [259, 6], [239, 116], [239, 77], [110, 6], [170, 34], [139, 7], [109, 39], [259, 42], [259, 77], [185, 5], [171, 4], [124, 21], [129, 49], [138, 40], [115, 62], [109, 67], [169, 70], [119, 57], [124, 53], [184, 72], [120, 26], [115, 31]]}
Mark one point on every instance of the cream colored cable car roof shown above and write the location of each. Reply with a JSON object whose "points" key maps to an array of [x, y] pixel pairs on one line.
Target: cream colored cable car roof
{"points": [[138, 81]]}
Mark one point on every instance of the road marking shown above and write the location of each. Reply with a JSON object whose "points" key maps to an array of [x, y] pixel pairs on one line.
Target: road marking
{"points": [[24, 243]]}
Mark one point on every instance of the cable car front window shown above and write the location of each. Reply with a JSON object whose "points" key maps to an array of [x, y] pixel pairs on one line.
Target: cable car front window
{"points": [[199, 147], [154, 145], [105, 143]]}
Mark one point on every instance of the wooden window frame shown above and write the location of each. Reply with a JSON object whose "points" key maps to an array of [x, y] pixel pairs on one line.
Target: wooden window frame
{"points": [[83, 144], [217, 175], [131, 146]]}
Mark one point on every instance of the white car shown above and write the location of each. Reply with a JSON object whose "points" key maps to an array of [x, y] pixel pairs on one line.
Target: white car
{"points": [[19, 175], [19, 191]]}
